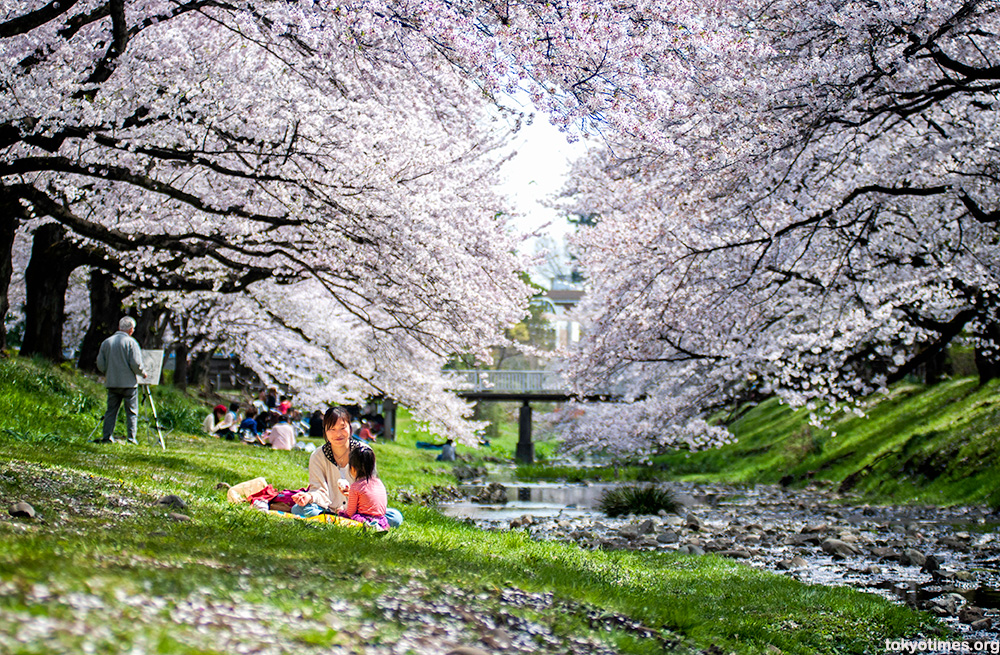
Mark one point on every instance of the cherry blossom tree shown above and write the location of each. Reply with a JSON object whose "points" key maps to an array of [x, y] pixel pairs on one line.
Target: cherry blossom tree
{"points": [[268, 150], [820, 229]]}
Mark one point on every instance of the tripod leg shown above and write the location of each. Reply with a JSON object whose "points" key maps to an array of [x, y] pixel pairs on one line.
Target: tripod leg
{"points": [[156, 420]]}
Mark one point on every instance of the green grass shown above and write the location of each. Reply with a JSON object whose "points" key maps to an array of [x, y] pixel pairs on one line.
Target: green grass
{"points": [[636, 499], [916, 444], [104, 569]]}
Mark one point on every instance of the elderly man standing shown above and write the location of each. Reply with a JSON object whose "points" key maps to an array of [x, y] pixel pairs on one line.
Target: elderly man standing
{"points": [[120, 359]]}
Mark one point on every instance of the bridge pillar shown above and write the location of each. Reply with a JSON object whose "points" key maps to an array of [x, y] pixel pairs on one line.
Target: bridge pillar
{"points": [[525, 449]]}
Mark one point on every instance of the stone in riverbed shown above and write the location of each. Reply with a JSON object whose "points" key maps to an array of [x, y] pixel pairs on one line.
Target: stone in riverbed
{"points": [[668, 537], [735, 553], [691, 549], [791, 564], [912, 557], [883, 552], [694, 523], [970, 614], [839, 548], [982, 624], [946, 604]]}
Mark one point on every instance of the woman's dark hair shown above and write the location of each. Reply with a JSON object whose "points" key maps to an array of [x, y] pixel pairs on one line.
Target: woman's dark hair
{"points": [[333, 415], [234, 407], [251, 412], [362, 459]]}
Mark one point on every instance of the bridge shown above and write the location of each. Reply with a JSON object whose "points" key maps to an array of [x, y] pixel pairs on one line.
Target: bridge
{"points": [[525, 387]]}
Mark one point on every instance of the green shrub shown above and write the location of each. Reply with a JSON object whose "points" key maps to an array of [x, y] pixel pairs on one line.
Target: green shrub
{"points": [[636, 499]]}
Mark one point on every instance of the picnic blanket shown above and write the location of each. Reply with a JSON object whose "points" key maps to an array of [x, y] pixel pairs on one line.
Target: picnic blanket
{"points": [[258, 488]]}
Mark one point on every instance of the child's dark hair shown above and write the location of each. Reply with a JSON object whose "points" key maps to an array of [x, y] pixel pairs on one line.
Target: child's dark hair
{"points": [[362, 459]]}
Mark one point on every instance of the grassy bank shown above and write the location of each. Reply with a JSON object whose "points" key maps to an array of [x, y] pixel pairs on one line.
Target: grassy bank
{"points": [[937, 444], [105, 569]]}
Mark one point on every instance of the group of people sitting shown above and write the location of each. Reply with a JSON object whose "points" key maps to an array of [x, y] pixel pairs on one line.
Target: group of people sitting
{"points": [[278, 425]]}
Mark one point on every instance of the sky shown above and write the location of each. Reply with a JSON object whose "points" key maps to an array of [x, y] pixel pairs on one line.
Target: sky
{"points": [[536, 172]]}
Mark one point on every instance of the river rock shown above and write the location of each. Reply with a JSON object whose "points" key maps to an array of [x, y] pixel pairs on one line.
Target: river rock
{"points": [[466, 472], [839, 548], [982, 624], [736, 553], [673, 520], [22, 510], [872, 569], [694, 523], [815, 528], [930, 564], [800, 539], [884, 553], [946, 604], [691, 549], [647, 527], [629, 531], [668, 537], [494, 494], [172, 501], [912, 557], [970, 614], [522, 522]]}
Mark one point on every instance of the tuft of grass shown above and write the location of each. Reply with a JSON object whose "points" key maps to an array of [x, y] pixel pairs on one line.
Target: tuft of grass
{"points": [[636, 499]]}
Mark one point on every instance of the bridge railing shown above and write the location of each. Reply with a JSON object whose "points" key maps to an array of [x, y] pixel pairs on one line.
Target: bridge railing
{"points": [[512, 381]]}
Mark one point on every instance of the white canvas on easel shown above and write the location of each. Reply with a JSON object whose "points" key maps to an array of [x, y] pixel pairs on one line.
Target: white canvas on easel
{"points": [[152, 363]]}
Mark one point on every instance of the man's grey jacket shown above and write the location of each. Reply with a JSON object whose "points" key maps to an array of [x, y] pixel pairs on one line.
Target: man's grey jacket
{"points": [[120, 359]]}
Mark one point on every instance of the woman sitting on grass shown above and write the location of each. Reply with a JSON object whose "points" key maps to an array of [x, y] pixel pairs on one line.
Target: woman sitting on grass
{"points": [[327, 467], [330, 471]]}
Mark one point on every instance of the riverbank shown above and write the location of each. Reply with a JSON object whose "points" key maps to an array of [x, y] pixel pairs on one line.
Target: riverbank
{"points": [[940, 560], [915, 444], [103, 566]]}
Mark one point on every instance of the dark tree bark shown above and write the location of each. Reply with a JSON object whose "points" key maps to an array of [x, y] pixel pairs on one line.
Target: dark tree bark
{"points": [[180, 364], [106, 302], [988, 357], [936, 367], [9, 221], [53, 258], [150, 326], [200, 369]]}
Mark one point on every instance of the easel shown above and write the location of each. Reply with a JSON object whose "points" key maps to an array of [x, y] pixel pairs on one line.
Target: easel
{"points": [[144, 390]]}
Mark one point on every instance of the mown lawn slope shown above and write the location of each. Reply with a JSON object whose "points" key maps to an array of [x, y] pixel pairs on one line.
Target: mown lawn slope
{"points": [[938, 444]]}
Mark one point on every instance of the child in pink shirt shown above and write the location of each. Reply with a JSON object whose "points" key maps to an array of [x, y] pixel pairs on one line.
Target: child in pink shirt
{"points": [[366, 497]]}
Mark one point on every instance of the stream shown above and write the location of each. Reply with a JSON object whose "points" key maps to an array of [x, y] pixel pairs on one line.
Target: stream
{"points": [[945, 561]]}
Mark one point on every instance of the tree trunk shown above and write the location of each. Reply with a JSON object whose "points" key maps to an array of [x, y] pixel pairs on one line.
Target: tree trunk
{"points": [[151, 323], [105, 309], [200, 369], [936, 367], [180, 364], [8, 229], [53, 258], [988, 355]]}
